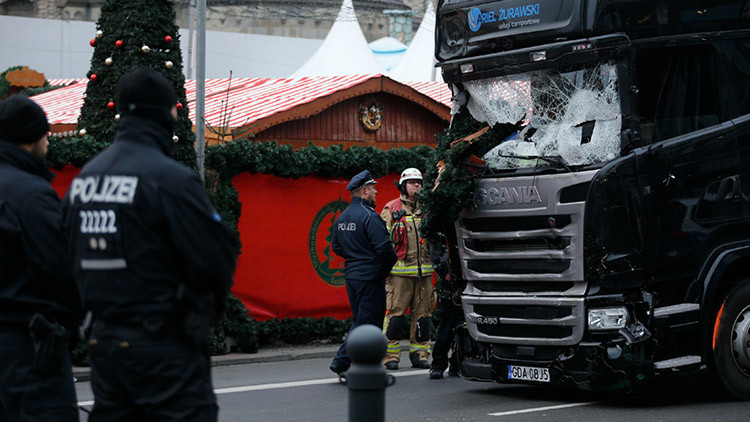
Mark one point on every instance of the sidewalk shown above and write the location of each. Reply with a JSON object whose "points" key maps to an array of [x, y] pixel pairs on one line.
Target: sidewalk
{"points": [[273, 353]]}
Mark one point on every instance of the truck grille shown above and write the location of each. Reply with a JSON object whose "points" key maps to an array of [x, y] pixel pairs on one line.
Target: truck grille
{"points": [[520, 266], [516, 331], [544, 321], [521, 250]]}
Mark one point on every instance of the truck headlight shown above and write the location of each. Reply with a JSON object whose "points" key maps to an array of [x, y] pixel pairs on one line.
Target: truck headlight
{"points": [[466, 67], [608, 318]]}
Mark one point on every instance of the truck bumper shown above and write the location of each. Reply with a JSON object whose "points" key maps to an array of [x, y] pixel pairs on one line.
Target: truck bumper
{"points": [[612, 364]]}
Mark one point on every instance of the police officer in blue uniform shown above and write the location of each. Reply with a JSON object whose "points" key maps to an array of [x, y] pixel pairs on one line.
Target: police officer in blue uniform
{"points": [[361, 238], [154, 263], [40, 307]]}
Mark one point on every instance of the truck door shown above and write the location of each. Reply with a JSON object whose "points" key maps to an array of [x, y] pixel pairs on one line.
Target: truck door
{"points": [[742, 128], [689, 176]]}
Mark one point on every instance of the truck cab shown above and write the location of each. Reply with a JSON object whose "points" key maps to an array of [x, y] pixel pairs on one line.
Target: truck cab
{"points": [[609, 238]]}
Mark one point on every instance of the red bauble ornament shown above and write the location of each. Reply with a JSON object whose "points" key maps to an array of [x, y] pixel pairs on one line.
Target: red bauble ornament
{"points": [[111, 105], [168, 39], [179, 106], [92, 77], [92, 42], [119, 43]]}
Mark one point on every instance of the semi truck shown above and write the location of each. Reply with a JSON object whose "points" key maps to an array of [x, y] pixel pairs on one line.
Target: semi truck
{"points": [[608, 241]]}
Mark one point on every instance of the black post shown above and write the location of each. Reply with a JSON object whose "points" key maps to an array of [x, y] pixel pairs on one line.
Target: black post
{"points": [[366, 378]]}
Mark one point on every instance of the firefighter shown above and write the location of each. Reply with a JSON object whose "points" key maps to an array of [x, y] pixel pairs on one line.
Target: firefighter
{"points": [[154, 263], [40, 306], [409, 285], [360, 237]]}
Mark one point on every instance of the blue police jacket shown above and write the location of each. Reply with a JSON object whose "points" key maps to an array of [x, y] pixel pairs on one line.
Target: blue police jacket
{"points": [[361, 238]]}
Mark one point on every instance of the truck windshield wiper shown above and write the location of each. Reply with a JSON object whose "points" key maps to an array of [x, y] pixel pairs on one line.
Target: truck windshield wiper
{"points": [[552, 160]]}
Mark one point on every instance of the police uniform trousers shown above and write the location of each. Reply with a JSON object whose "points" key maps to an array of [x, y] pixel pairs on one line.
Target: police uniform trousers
{"points": [[138, 377], [403, 293], [28, 393], [450, 314], [367, 300]]}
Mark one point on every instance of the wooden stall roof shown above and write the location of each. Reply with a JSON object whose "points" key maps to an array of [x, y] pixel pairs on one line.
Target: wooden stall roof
{"points": [[263, 102]]}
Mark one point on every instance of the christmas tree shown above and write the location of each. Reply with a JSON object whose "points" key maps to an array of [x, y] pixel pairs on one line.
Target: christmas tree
{"points": [[133, 34]]}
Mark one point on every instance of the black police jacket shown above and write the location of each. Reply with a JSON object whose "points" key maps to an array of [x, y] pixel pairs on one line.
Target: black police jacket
{"points": [[142, 230], [361, 238], [35, 275]]}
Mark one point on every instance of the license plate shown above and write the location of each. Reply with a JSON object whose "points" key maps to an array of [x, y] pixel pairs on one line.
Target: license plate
{"points": [[528, 373]]}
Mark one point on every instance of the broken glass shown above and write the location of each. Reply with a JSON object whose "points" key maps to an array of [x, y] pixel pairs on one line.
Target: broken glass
{"points": [[573, 114]]}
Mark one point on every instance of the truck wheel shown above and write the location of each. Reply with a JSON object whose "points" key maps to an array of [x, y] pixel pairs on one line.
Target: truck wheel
{"points": [[731, 342]]}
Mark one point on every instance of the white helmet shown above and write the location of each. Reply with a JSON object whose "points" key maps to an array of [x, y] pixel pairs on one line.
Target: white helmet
{"points": [[410, 174]]}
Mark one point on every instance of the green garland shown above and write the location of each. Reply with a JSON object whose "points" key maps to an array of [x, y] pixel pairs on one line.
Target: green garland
{"points": [[237, 324], [457, 184], [233, 158], [246, 156], [4, 84], [74, 150]]}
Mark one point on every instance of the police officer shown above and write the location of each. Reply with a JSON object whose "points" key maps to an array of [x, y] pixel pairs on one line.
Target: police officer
{"points": [[449, 312], [360, 237], [410, 284], [39, 302], [154, 263]]}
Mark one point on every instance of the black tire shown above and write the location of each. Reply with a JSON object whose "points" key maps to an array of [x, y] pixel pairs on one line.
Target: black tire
{"points": [[731, 342]]}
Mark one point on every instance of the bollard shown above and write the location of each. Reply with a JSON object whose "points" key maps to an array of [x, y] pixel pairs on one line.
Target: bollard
{"points": [[366, 378]]}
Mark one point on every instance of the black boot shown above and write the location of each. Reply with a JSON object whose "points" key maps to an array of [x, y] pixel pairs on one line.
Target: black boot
{"points": [[416, 362], [436, 373]]}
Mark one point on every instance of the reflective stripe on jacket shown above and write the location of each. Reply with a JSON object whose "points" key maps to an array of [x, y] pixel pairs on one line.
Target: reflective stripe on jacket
{"points": [[413, 254]]}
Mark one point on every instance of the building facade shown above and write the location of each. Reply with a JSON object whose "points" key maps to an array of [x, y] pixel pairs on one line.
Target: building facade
{"points": [[288, 18]]}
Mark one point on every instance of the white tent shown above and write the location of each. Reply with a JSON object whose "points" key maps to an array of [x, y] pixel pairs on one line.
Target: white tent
{"points": [[344, 50], [418, 63], [388, 51]]}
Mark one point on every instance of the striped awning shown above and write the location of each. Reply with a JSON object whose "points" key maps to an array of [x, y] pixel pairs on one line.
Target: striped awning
{"points": [[235, 102], [64, 82]]}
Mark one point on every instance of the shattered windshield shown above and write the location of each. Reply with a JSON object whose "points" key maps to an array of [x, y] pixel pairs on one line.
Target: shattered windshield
{"points": [[571, 115]]}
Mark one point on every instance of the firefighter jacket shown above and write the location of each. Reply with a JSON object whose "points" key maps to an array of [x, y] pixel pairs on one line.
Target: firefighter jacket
{"points": [[360, 237], [413, 252], [34, 272], [143, 233]]}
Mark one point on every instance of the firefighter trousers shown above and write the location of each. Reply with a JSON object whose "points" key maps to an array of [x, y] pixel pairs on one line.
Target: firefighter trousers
{"points": [[403, 294]]}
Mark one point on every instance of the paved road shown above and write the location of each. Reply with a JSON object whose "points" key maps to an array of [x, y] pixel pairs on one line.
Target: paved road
{"points": [[305, 390]]}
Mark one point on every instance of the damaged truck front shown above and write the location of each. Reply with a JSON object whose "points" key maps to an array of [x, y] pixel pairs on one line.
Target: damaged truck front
{"points": [[609, 238]]}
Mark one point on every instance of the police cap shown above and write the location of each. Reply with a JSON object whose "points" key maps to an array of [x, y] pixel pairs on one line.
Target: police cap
{"points": [[144, 89], [22, 121], [362, 178], [147, 94]]}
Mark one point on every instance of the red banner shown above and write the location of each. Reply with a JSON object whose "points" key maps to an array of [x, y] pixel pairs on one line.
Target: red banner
{"points": [[286, 269], [63, 178]]}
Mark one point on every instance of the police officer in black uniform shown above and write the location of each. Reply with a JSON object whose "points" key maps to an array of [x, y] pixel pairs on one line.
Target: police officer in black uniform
{"points": [[39, 302], [154, 263], [361, 238], [449, 313]]}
